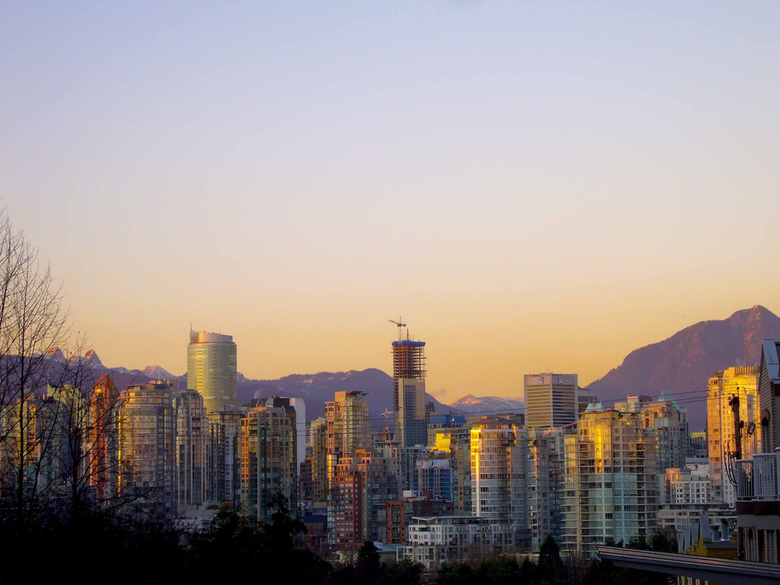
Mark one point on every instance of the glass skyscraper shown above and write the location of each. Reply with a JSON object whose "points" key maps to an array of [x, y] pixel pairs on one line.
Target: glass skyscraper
{"points": [[211, 369]]}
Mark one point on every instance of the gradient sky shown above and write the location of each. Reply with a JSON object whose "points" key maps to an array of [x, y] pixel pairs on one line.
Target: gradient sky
{"points": [[534, 186]]}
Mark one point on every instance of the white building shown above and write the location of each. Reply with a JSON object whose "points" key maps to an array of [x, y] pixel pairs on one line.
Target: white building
{"points": [[439, 539], [691, 484]]}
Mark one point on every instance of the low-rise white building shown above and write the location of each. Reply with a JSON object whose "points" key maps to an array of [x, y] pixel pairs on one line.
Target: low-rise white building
{"points": [[438, 539], [691, 484]]}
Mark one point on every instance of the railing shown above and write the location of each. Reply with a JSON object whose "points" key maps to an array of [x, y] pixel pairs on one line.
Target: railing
{"points": [[765, 472], [744, 477], [757, 478]]}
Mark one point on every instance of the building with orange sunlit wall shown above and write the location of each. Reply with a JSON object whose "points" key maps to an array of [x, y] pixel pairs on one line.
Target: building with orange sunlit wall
{"points": [[499, 449], [611, 488], [357, 509], [347, 430], [345, 510], [102, 453], [741, 382], [146, 443]]}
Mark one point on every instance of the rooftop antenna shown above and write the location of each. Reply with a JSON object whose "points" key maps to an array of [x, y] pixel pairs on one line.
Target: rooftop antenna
{"points": [[400, 324]]}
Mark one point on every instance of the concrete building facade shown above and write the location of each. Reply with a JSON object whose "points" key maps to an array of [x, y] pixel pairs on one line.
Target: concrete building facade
{"points": [[551, 400]]}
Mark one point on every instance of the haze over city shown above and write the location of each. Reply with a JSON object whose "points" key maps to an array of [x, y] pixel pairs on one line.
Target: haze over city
{"points": [[533, 187]]}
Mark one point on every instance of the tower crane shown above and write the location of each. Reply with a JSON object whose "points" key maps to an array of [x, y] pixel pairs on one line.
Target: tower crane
{"points": [[386, 414], [400, 325]]}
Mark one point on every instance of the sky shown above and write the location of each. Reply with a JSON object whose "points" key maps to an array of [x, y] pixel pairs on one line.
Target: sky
{"points": [[532, 186]]}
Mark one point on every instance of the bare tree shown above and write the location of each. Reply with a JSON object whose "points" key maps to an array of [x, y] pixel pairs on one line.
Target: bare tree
{"points": [[61, 428], [81, 433], [33, 321]]}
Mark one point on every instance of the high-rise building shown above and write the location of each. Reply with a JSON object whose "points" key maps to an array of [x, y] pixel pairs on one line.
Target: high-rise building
{"points": [[299, 405], [498, 476], [62, 421], [347, 427], [664, 419], [346, 433], [545, 483], [550, 400], [456, 443], [102, 450], [434, 475], [20, 448], [191, 450], [146, 443], [611, 486], [346, 505], [225, 453], [211, 369], [409, 392], [740, 382], [318, 439], [406, 459], [347, 423], [268, 457], [357, 511]]}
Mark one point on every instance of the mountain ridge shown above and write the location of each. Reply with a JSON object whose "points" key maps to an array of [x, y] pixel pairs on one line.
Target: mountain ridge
{"points": [[683, 362]]}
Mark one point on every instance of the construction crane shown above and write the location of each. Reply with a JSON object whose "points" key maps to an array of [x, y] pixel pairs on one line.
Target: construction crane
{"points": [[386, 414], [400, 325]]}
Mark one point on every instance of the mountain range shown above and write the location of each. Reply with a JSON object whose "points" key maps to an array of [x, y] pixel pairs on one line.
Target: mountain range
{"points": [[315, 389], [681, 364]]}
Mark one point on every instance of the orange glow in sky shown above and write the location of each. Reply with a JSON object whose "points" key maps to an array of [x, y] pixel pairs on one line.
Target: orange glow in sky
{"points": [[533, 187]]}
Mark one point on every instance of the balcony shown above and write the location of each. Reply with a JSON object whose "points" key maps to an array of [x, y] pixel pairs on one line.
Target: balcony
{"points": [[757, 478]]}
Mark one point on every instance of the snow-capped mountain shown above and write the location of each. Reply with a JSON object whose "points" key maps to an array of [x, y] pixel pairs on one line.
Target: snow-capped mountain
{"points": [[488, 405], [158, 373]]}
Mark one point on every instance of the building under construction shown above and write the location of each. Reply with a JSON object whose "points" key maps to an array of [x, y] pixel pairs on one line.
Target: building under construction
{"points": [[409, 392]]}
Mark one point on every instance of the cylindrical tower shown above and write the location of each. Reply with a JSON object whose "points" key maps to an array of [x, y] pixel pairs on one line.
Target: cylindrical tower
{"points": [[211, 368]]}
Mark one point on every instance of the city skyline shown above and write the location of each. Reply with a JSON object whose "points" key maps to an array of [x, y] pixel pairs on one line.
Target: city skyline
{"points": [[516, 181]]}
